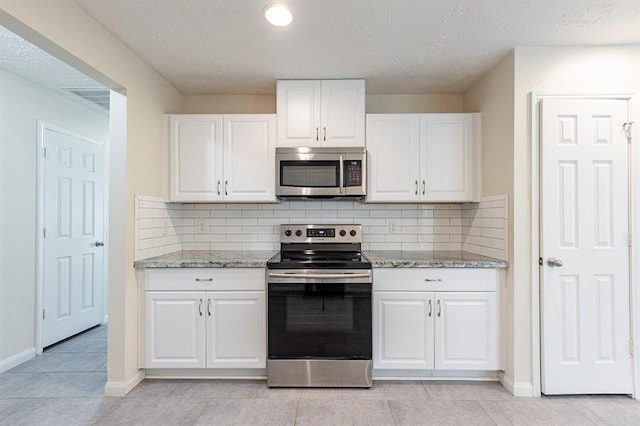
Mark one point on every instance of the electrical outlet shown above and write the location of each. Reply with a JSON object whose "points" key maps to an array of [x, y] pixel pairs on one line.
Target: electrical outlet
{"points": [[202, 226], [393, 227]]}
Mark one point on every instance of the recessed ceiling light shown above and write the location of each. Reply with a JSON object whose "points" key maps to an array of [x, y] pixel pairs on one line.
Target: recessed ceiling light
{"points": [[278, 15]]}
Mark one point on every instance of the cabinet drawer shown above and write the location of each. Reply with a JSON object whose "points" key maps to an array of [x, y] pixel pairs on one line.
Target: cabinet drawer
{"points": [[204, 279], [434, 279]]}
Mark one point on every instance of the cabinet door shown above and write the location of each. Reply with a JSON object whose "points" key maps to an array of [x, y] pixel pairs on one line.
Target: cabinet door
{"points": [[174, 329], [195, 157], [249, 157], [298, 109], [403, 330], [236, 329], [446, 157], [393, 145], [466, 331], [342, 113]]}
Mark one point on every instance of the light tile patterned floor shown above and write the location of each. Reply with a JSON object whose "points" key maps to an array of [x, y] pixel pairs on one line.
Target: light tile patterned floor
{"points": [[64, 387]]}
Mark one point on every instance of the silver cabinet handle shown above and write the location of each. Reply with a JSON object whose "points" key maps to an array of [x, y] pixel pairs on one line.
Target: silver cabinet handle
{"points": [[317, 138], [439, 309], [99, 244], [226, 182], [341, 174], [218, 187], [424, 187], [204, 280], [416, 187], [554, 263], [430, 308], [324, 137], [436, 280], [200, 307], [209, 307]]}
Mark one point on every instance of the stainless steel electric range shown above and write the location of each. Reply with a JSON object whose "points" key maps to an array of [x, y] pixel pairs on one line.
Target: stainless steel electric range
{"points": [[319, 308]]}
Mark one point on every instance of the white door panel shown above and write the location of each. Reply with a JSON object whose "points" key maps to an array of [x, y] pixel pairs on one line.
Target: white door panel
{"points": [[465, 331], [174, 329], [73, 265], [403, 330], [584, 224], [236, 329]]}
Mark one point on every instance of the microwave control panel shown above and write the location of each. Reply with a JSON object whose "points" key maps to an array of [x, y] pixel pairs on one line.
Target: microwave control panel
{"points": [[353, 173]]}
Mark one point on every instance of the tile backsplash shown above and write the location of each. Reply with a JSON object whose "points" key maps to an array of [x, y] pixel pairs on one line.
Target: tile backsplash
{"points": [[166, 227]]}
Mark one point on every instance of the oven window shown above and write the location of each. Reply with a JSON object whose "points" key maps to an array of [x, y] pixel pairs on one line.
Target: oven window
{"points": [[320, 321], [310, 174]]}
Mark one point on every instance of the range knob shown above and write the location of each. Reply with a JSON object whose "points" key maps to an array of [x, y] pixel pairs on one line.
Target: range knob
{"points": [[353, 232], [343, 232], [287, 232], [298, 233]]}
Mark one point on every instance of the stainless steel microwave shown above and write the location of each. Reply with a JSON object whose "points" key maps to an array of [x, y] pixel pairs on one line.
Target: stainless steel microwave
{"points": [[309, 172]]}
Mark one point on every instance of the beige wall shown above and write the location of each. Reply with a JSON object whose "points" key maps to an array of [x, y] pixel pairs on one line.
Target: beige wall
{"points": [[63, 29], [379, 104], [493, 96], [266, 104]]}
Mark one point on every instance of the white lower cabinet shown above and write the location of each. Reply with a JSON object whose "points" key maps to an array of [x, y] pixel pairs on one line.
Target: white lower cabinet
{"points": [[205, 329], [418, 329]]}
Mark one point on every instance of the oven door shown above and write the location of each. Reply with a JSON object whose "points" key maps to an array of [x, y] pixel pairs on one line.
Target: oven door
{"points": [[319, 315]]}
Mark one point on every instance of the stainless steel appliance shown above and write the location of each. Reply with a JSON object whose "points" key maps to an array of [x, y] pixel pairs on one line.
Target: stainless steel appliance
{"points": [[321, 172], [319, 308]]}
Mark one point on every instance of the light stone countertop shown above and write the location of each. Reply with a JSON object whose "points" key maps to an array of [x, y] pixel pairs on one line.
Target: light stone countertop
{"points": [[379, 259], [208, 259], [432, 259]]}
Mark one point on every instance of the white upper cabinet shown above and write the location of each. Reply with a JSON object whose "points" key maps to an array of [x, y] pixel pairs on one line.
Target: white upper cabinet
{"points": [[222, 158], [447, 142], [249, 157], [320, 112], [393, 148], [423, 157], [195, 157]]}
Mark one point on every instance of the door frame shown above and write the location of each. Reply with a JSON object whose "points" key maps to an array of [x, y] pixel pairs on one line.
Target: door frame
{"points": [[42, 127], [634, 182]]}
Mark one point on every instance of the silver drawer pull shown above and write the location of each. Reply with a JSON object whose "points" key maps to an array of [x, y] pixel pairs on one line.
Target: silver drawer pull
{"points": [[200, 307], [437, 280], [439, 309], [430, 308], [203, 280]]}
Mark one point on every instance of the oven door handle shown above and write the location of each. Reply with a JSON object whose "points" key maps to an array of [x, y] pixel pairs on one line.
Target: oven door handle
{"points": [[327, 276]]}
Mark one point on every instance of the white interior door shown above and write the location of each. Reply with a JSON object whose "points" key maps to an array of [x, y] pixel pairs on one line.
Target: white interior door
{"points": [[584, 247], [73, 248]]}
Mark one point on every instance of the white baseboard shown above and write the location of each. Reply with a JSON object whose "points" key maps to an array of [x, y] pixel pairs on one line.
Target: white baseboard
{"points": [[123, 388], [516, 388], [17, 359]]}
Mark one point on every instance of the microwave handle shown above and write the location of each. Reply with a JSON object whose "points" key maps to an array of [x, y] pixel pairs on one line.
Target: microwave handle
{"points": [[341, 174]]}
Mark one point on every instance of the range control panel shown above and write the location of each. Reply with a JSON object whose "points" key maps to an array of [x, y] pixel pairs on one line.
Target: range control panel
{"points": [[321, 233]]}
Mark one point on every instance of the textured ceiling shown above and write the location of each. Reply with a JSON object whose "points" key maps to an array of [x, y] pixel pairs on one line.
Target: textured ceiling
{"points": [[22, 58], [398, 46]]}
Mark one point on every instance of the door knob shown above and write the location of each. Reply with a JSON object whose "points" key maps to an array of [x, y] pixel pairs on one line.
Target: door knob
{"points": [[99, 244], [553, 262]]}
